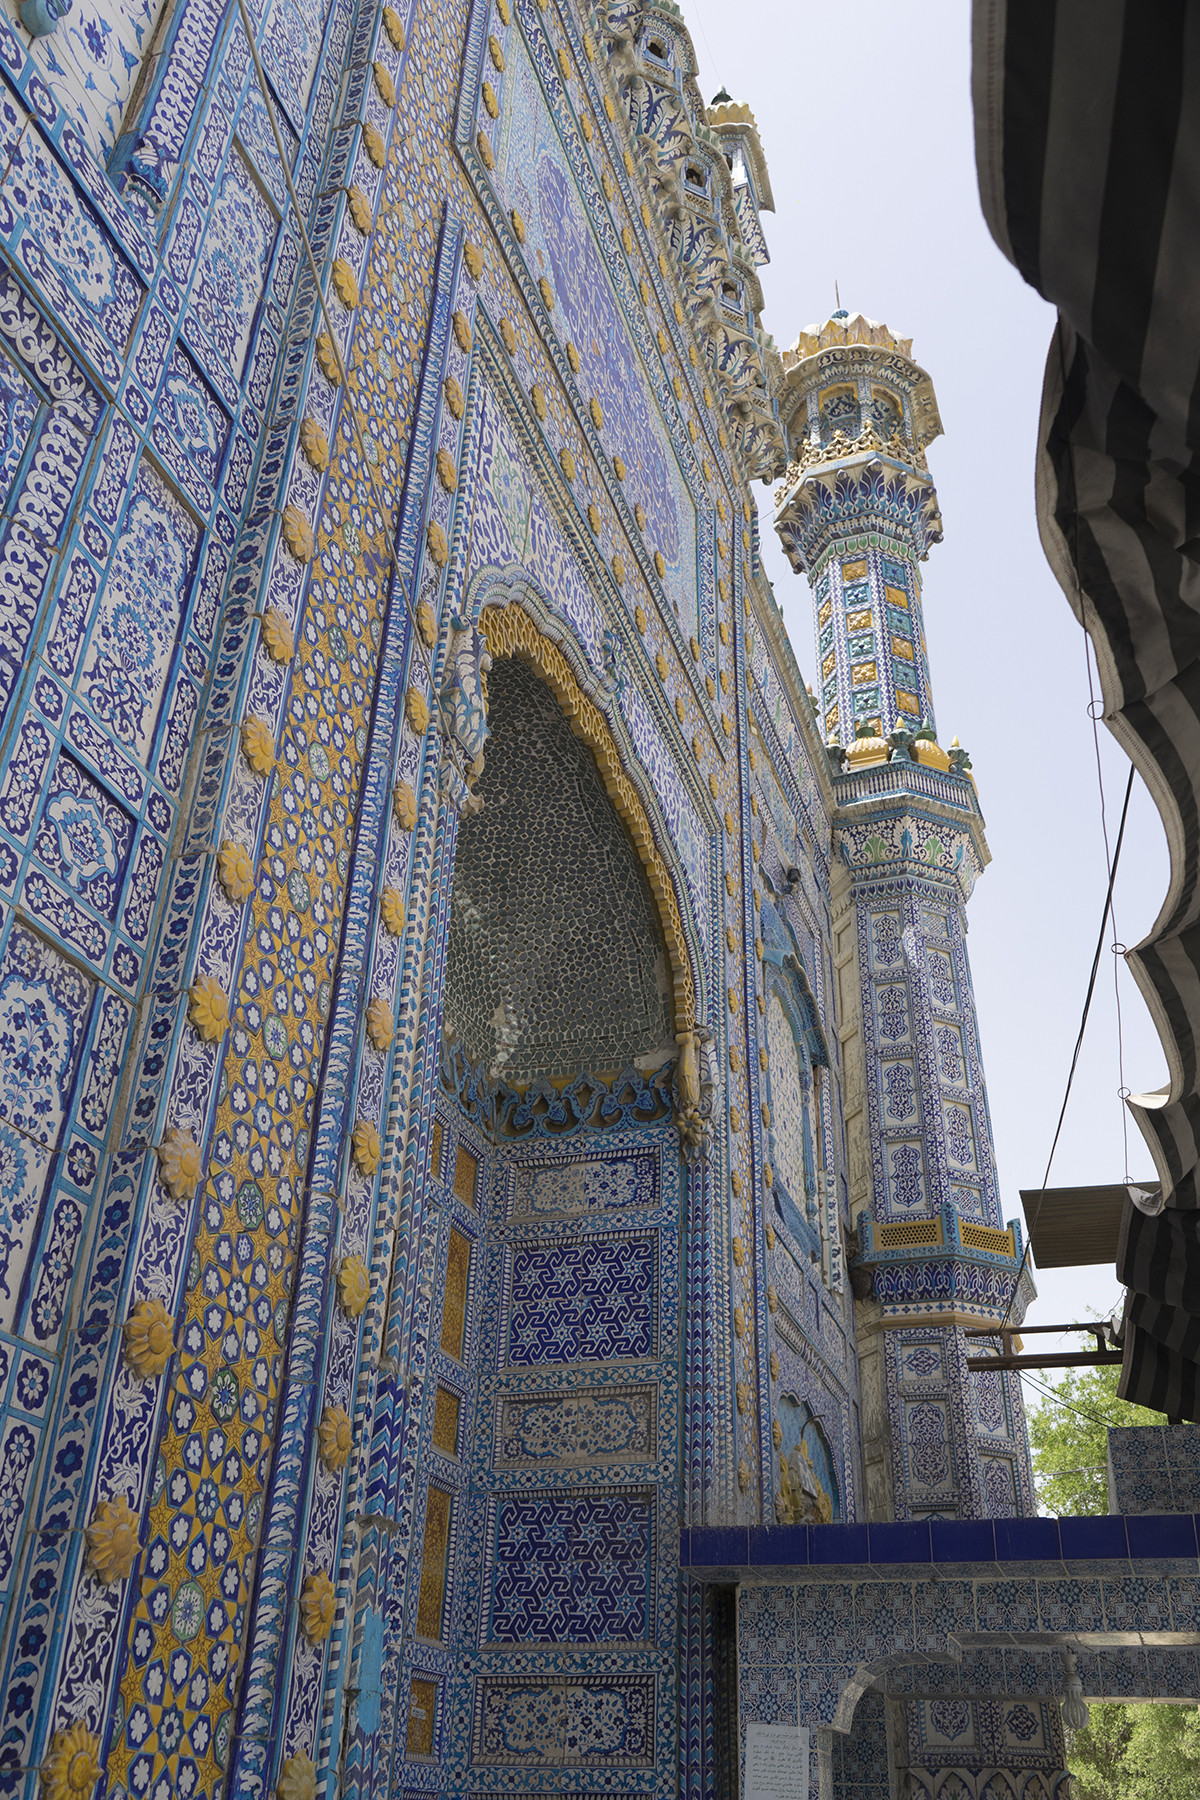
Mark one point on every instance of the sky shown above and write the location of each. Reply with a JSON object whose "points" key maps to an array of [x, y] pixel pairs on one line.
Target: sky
{"points": [[865, 118]]}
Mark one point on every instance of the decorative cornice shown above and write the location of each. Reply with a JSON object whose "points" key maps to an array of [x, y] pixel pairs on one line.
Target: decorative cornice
{"points": [[869, 491]]}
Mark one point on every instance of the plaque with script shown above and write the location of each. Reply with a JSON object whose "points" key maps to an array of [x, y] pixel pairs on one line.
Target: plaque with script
{"points": [[776, 1762]]}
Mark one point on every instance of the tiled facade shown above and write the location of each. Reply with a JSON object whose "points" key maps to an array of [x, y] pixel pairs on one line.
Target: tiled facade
{"points": [[484, 1085]]}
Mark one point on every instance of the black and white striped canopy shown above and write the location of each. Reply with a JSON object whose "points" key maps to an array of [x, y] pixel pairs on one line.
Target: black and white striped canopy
{"points": [[1087, 126]]}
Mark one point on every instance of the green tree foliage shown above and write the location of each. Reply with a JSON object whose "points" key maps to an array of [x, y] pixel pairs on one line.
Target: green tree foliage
{"points": [[1069, 1439], [1127, 1752], [1137, 1753]]}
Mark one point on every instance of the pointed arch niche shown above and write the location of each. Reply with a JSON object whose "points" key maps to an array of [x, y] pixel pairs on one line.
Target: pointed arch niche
{"points": [[796, 1056], [567, 952], [551, 1396]]}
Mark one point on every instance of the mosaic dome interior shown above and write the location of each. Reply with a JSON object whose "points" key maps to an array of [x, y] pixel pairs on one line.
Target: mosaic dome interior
{"points": [[556, 960]]}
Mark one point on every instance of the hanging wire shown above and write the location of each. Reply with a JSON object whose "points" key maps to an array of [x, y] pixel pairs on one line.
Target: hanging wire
{"points": [[1112, 873], [1070, 1406], [1118, 948], [1087, 1004]]}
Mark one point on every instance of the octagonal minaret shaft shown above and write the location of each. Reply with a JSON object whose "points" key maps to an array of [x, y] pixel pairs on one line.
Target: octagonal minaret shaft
{"points": [[856, 512]]}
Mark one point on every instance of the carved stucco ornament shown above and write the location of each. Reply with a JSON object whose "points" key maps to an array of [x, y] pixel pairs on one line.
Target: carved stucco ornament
{"points": [[235, 870], [178, 1162], [314, 444], [360, 209], [393, 24], [693, 1126], [391, 907], [318, 1604], [112, 1540], [454, 396], [72, 1768], [335, 1436], [473, 257], [353, 1285], [384, 83], [298, 1776], [435, 539], [376, 148], [328, 359], [345, 283], [427, 624], [463, 700], [208, 1008], [277, 636], [416, 710], [462, 332], [40, 17], [404, 805], [298, 534], [380, 1028], [368, 1151], [258, 745], [149, 1335]]}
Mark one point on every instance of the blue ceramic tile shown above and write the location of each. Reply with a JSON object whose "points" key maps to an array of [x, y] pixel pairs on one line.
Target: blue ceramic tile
{"points": [[779, 1544], [1027, 1540], [719, 1547], [685, 1549], [962, 1540], [1102, 1536], [1164, 1534], [838, 1544], [904, 1543]]}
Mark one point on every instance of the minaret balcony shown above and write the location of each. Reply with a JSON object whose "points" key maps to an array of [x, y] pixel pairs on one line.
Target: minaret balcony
{"points": [[942, 1265]]}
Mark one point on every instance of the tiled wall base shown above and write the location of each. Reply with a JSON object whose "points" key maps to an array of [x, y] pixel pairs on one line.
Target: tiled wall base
{"points": [[1153, 1469], [956, 1673]]}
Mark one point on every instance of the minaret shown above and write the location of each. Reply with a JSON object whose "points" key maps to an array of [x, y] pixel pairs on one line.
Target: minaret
{"points": [[858, 414], [931, 1257]]}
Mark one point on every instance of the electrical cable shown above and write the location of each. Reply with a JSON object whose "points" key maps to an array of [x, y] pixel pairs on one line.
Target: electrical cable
{"points": [[1117, 946], [1071, 1407], [1087, 1004]]}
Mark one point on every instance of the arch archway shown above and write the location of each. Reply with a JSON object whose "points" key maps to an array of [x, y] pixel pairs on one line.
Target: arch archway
{"points": [[510, 631], [556, 964]]}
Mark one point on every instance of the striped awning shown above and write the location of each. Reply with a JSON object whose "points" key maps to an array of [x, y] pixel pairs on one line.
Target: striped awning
{"points": [[1087, 123]]}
